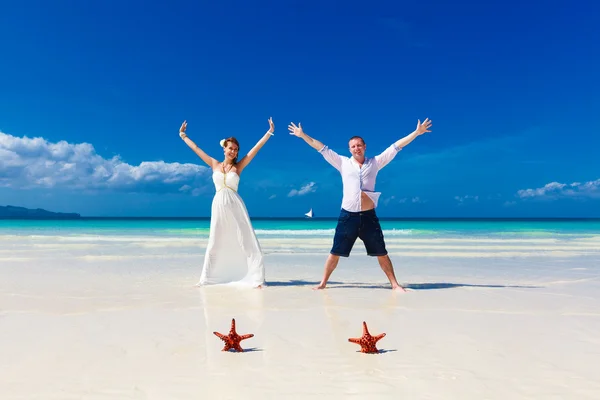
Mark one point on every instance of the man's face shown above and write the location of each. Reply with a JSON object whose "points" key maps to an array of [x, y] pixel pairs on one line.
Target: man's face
{"points": [[357, 148]]}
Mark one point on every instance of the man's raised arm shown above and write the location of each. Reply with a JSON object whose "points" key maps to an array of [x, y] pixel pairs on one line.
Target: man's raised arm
{"points": [[331, 156], [297, 131], [421, 129], [388, 154]]}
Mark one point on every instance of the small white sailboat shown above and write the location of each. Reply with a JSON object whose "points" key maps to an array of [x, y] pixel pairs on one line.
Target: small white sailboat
{"points": [[309, 214]]}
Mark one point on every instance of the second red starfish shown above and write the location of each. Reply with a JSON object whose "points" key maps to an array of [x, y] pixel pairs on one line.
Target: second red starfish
{"points": [[367, 342], [232, 341]]}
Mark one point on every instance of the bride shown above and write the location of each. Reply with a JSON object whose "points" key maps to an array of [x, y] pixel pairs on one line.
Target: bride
{"points": [[233, 254]]}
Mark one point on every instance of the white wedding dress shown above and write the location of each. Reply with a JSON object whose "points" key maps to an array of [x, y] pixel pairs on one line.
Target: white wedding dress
{"points": [[233, 254]]}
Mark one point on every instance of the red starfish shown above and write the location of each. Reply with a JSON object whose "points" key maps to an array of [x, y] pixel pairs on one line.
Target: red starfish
{"points": [[232, 341], [367, 342]]}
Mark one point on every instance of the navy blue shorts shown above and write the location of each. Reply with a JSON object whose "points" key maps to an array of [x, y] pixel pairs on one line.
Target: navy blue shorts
{"points": [[363, 225]]}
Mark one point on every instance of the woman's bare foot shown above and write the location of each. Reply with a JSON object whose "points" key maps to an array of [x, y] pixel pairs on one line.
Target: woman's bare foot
{"points": [[398, 288], [321, 286]]}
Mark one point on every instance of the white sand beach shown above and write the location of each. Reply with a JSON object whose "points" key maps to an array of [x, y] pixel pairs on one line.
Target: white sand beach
{"points": [[108, 317]]}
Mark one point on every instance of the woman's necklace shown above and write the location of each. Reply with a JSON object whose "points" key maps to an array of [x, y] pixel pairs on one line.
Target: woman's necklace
{"points": [[226, 171]]}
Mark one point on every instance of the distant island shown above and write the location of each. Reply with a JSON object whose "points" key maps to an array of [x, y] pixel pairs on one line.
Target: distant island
{"points": [[9, 212]]}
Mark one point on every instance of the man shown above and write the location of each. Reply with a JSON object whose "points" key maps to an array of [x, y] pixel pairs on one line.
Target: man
{"points": [[357, 217]]}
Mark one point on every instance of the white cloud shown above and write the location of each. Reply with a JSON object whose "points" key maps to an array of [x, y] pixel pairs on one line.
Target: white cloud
{"points": [[271, 197], [387, 200], [403, 200], [555, 190], [463, 199], [308, 188], [27, 163]]}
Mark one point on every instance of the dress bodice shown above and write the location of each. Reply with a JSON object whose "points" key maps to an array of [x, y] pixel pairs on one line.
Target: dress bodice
{"points": [[229, 180]]}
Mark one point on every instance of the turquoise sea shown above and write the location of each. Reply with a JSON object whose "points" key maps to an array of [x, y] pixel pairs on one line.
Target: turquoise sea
{"points": [[316, 227]]}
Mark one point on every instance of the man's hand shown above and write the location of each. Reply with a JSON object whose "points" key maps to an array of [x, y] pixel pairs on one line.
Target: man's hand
{"points": [[424, 127], [295, 130]]}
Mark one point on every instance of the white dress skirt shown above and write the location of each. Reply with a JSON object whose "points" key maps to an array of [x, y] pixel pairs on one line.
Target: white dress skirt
{"points": [[233, 254]]}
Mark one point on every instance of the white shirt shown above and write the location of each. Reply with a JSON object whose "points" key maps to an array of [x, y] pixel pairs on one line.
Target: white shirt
{"points": [[357, 179]]}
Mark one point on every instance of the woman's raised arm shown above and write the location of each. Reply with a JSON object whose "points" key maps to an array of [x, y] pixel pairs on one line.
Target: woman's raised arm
{"points": [[248, 157], [211, 162]]}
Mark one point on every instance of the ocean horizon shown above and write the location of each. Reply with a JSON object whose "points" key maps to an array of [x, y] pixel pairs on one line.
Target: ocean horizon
{"points": [[309, 219]]}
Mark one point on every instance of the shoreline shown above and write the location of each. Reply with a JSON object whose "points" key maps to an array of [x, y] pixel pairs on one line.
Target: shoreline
{"points": [[121, 317]]}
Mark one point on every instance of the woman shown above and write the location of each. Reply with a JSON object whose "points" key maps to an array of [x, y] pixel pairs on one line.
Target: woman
{"points": [[233, 254]]}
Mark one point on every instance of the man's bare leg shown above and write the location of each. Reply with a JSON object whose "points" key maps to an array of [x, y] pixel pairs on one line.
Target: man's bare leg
{"points": [[388, 269], [330, 264]]}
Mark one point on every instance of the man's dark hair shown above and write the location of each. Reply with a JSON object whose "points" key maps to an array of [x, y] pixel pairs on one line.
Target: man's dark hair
{"points": [[357, 137]]}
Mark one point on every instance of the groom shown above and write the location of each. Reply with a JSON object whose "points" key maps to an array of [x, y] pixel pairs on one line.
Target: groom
{"points": [[357, 217]]}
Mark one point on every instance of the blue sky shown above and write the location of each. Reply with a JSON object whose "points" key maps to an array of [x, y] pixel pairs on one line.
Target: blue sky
{"points": [[92, 96]]}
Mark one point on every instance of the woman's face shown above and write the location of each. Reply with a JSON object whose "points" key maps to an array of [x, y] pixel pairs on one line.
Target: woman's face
{"points": [[231, 151]]}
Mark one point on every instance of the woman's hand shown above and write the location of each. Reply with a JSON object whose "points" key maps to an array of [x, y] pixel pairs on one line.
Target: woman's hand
{"points": [[271, 126], [182, 133]]}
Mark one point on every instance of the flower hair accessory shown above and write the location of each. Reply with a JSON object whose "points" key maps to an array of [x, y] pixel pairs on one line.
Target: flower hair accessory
{"points": [[222, 142]]}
